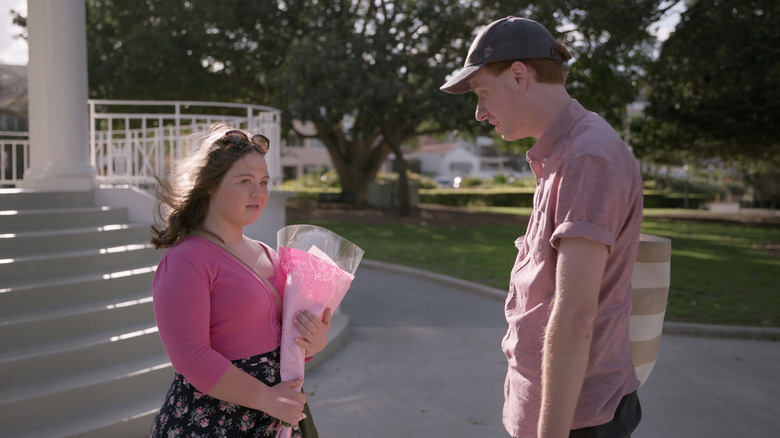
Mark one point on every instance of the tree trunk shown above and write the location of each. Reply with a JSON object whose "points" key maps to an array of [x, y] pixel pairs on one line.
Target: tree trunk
{"points": [[394, 139], [404, 209], [357, 163], [355, 180]]}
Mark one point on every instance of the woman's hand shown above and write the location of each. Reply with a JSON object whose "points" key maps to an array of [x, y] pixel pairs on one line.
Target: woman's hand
{"points": [[285, 401], [314, 331]]}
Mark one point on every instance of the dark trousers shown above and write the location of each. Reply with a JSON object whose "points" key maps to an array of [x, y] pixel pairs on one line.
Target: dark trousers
{"points": [[627, 417]]}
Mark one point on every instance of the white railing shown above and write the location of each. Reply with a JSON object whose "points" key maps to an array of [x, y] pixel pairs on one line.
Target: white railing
{"points": [[14, 157], [131, 141]]}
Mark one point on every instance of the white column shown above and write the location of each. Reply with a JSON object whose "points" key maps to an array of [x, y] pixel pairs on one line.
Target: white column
{"points": [[57, 87]]}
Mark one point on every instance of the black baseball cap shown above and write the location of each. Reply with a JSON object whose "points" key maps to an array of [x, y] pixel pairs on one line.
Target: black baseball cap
{"points": [[507, 39]]}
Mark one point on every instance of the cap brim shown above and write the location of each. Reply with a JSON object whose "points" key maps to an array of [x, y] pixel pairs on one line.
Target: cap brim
{"points": [[459, 84]]}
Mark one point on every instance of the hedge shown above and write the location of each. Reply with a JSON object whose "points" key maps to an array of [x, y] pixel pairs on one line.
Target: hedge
{"points": [[654, 199], [518, 197], [474, 197], [524, 198]]}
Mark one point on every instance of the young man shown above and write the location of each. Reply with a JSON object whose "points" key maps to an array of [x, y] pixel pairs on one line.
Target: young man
{"points": [[570, 369]]}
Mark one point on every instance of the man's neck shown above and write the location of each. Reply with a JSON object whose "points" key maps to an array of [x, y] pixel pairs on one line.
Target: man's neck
{"points": [[552, 101]]}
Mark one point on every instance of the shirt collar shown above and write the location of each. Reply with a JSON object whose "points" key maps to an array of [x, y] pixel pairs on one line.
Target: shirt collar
{"points": [[546, 145]]}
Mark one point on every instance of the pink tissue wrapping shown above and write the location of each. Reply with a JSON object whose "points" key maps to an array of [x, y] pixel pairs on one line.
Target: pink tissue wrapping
{"points": [[312, 284]]}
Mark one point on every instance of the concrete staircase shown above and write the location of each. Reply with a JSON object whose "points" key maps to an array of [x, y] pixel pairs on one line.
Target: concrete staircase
{"points": [[79, 350]]}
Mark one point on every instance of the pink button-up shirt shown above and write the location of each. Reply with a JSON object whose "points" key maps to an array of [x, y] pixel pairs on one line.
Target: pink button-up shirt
{"points": [[588, 185]]}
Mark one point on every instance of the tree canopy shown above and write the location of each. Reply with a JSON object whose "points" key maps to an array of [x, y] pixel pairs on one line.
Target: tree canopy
{"points": [[366, 73], [184, 50], [715, 88]]}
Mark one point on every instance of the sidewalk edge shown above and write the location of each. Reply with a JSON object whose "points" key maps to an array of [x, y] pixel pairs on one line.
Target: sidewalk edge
{"points": [[676, 328], [337, 337]]}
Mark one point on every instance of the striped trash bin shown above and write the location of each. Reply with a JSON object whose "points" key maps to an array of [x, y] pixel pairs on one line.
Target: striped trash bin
{"points": [[650, 291]]}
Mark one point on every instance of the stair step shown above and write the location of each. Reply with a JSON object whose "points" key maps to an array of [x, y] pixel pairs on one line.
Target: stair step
{"points": [[46, 295], [74, 308], [128, 419], [13, 221], [28, 243], [46, 328], [93, 343], [17, 199], [75, 365], [77, 401], [15, 272]]}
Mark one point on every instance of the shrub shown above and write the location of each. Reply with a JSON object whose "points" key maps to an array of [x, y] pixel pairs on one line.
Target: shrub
{"points": [[472, 181], [422, 181], [322, 180], [498, 197]]}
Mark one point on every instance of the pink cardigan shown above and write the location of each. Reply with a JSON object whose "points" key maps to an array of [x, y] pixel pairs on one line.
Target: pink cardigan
{"points": [[210, 310]]}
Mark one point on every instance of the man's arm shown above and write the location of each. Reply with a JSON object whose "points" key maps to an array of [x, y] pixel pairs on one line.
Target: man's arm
{"points": [[580, 268]]}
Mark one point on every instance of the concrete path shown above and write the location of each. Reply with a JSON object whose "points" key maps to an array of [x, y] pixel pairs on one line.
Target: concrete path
{"points": [[423, 359]]}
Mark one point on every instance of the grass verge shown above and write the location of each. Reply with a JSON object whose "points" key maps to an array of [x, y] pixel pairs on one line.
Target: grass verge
{"points": [[720, 272]]}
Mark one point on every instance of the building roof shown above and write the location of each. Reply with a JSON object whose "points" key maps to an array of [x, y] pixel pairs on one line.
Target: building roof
{"points": [[13, 89], [437, 149]]}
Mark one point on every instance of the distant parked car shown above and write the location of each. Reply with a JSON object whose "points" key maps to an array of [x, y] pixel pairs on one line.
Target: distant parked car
{"points": [[444, 182]]}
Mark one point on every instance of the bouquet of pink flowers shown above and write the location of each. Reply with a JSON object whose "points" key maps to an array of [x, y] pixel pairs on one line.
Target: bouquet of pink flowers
{"points": [[320, 266]]}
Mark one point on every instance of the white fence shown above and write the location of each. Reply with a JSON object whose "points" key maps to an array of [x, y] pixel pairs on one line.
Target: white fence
{"points": [[132, 141], [14, 157]]}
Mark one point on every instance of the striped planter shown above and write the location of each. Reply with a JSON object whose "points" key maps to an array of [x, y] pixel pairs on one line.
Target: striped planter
{"points": [[650, 290]]}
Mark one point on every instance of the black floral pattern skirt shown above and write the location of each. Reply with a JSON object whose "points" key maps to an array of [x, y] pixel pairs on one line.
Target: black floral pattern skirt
{"points": [[189, 413]]}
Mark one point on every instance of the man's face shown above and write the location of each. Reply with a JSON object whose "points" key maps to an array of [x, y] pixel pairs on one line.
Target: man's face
{"points": [[501, 102]]}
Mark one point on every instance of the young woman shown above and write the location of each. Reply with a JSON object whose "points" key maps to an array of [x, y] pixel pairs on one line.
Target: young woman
{"points": [[218, 298]]}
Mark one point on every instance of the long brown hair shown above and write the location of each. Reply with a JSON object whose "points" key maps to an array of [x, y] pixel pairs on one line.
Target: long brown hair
{"points": [[185, 195]]}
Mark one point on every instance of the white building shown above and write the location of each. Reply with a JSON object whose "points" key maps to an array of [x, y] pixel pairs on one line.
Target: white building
{"points": [[458, 158], [301, 155]]}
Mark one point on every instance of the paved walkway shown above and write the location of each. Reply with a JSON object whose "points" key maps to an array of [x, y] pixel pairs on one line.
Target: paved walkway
{"points": [[423, 359]]}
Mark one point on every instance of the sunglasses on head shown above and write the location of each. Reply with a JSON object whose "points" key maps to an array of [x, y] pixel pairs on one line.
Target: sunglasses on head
{"points": [[239, 139]]}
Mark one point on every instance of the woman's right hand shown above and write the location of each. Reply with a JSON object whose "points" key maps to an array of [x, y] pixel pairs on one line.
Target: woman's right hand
{"points": [[285, 401]]}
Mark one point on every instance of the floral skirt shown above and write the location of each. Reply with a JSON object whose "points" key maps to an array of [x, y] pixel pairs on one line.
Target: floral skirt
{"points": [[189, 413]]}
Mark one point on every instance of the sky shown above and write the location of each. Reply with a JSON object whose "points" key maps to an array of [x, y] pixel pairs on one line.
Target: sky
{"points": [[14, 50]]}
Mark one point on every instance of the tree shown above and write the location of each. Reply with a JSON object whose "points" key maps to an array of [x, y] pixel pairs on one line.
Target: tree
{"points": [[612, 49], [366, 73], [715, 88], [185, 50]]}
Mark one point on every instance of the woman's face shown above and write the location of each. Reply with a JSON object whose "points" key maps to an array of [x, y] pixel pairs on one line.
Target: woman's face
{"points": [[242, 194]]}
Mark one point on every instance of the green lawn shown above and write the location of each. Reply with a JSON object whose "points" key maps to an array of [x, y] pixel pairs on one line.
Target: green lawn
{"points": [[719, 275]]}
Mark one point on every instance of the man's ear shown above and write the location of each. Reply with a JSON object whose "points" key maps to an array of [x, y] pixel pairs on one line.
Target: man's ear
{"points": [[521, 73]]}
